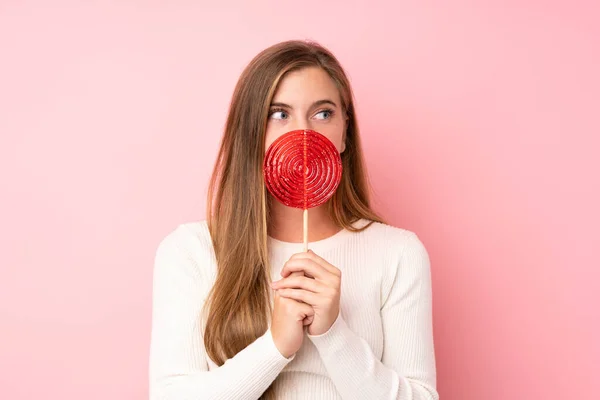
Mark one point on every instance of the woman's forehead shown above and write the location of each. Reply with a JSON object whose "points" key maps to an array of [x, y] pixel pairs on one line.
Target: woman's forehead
{"points": [[302, 88]]}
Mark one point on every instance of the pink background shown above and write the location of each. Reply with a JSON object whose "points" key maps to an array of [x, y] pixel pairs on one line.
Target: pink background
{"points": [[480, 122]]}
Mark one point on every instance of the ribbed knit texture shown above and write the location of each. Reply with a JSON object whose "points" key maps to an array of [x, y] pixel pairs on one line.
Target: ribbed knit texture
{"points": [[380, 347]]}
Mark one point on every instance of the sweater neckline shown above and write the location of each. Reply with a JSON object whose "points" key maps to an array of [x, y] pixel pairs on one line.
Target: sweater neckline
{"points": [[325, 243]]}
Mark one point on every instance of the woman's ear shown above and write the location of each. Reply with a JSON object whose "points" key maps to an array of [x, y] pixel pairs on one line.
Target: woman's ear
{"points": [[344, 135]]}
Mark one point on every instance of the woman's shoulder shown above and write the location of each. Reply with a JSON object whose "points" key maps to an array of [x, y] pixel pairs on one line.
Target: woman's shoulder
{"points": [[188, 245], [399, 246], [388, 234], [190, 236], [403, 253]]}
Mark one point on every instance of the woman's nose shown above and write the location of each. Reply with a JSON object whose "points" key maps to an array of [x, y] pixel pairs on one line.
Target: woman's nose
{"points": [[302, 124]]}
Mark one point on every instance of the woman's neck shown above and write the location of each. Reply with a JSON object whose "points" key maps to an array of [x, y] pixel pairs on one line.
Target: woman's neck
{"points": [[287, 223]]}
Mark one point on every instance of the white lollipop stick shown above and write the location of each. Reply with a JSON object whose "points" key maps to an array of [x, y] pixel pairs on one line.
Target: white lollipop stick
{"points": [[306, 229]]}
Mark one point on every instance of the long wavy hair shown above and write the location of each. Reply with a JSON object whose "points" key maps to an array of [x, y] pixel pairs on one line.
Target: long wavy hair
{"points": [[238, 306]]}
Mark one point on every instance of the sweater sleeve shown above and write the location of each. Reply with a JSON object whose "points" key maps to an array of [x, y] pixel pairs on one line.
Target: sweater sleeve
{"points": [[407, 369], [178, 367]]}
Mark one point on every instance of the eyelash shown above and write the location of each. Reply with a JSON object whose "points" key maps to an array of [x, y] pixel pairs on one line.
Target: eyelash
{"points": [[329, 110]]}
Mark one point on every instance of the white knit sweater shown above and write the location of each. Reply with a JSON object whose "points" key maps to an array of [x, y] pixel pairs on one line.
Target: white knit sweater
{"points": [[380, 347]]}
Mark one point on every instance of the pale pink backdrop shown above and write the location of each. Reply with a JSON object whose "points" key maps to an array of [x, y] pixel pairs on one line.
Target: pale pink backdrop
{"points": [[480, 123]]}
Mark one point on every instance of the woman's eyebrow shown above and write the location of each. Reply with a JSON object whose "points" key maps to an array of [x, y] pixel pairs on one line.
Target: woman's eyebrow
{"points": [[315, 104]]}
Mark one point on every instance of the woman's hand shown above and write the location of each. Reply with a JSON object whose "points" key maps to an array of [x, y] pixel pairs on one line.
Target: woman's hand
{"points": [[288, 321], [319, 286]]}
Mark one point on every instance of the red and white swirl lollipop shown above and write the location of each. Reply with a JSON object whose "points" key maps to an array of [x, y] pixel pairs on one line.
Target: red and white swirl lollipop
{"points": [[302, 169]]}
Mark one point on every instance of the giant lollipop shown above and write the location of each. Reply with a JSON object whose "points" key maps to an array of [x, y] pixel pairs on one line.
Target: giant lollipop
{"points": [[302, 169]]}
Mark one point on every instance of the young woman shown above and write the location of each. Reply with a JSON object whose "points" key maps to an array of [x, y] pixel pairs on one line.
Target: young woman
{"points": [[240, 311]]}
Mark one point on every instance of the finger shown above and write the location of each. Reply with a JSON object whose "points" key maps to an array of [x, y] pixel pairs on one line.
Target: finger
{"points": [[301, 273], [311, 268], [311, 255], [308, 320], [307, 266], [300, 282], [305, 312], [301, 295]]}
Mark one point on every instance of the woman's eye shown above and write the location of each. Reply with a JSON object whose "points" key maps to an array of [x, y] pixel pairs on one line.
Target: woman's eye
{"points": [[278, 114], [328, 113]]}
